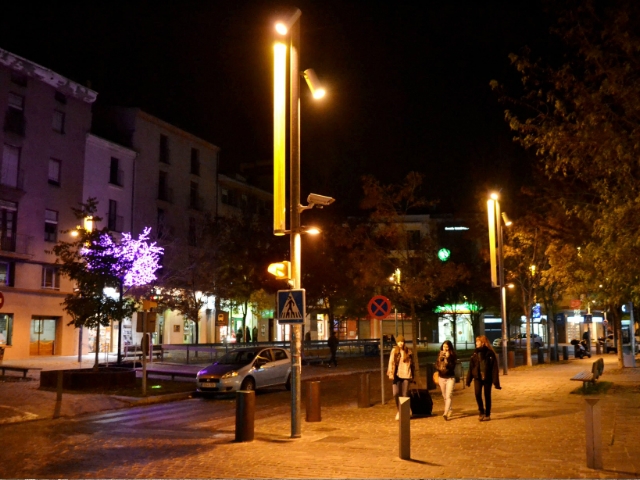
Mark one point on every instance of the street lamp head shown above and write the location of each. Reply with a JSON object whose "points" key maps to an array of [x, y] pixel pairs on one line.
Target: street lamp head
{"points": [[314, 84], [506, 219], [494, 196], [312, 230], [283, 27]]}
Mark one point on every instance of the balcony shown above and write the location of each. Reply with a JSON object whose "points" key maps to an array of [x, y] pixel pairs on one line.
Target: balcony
{"points": [[15, 122], [12, 179], [165, 194], [16, 245], [116, 177]]}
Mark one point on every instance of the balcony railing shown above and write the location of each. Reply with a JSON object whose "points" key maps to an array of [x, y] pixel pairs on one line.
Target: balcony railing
{"points": [[165, 194], [12, 179], [16, 243]]}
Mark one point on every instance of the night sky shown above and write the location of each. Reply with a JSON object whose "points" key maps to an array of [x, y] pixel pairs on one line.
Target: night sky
{"points": [[408, 82]]}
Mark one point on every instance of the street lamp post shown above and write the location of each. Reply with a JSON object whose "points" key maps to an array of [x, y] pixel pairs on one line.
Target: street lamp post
{"points": [[292, 29], [497, 266]]}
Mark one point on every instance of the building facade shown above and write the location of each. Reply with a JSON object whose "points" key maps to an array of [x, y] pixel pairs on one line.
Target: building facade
{"points": [[46, 120]]}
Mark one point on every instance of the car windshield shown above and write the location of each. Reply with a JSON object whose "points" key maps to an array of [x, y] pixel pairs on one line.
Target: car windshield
{"points": [[237, 357]]}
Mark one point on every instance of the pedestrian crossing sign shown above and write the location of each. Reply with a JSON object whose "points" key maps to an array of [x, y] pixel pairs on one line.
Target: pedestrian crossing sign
{"points": [[291, 306]]}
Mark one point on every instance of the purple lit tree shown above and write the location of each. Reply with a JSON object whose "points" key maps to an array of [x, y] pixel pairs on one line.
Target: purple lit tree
{"points": [[94, 262]]}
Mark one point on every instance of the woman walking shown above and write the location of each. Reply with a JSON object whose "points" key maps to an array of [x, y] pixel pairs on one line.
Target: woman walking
{"points": [[484, 371], [400, 371], [446, 368]]}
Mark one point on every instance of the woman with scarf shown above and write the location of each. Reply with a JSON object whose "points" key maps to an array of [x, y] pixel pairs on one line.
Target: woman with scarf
{"points": [[400, 371], [446, 368]]}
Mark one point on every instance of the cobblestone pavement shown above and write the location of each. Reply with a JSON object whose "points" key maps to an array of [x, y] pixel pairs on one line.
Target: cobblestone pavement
{"points": [[537, 431]]}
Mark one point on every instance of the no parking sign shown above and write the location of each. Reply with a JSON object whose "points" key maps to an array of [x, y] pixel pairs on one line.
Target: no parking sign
{"points": [[379, 306]]}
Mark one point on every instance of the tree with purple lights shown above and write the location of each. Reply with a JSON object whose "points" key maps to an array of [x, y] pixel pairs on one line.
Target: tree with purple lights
{"points": [[94, 262]]}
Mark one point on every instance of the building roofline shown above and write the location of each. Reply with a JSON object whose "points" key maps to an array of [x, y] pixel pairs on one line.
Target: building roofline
{"points": [[222, 178], [57, 81], [97, 140]]}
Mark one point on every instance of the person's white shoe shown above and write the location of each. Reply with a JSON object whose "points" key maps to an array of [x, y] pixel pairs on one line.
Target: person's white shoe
{"points": [[398, 416]]}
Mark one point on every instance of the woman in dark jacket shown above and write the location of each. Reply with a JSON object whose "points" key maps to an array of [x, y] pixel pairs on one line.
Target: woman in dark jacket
{"points": [[446, 368], [484, 371]]}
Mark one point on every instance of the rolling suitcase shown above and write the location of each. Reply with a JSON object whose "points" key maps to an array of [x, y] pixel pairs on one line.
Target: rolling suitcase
{"points": [[421, 402]]}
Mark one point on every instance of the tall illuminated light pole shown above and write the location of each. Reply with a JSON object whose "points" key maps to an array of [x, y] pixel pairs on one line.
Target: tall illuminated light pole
{"points": [[497, 265], [291, 30]]}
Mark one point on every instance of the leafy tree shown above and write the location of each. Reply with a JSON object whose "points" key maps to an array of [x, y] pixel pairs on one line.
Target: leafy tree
{"points": [[581, 116], [94, 262], [423, 275]]}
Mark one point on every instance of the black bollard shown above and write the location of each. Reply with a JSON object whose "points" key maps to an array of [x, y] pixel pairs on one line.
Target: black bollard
{"points": [[245, 413], [565, 353], [511, 359], [363, 391], [313, 402], [540, 356]]}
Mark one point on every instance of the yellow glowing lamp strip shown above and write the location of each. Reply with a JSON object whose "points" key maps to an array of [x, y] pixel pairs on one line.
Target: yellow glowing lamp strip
{"points": [[279, 138], [491, 211]]}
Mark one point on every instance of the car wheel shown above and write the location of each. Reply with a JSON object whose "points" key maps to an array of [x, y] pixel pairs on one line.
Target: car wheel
{"points": [[287, 384], [248, 384]]}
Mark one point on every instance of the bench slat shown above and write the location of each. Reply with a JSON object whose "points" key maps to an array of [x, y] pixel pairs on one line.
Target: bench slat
{"points": [[583, 376]]}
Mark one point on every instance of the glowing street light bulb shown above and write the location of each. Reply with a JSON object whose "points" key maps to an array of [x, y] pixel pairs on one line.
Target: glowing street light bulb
{"points": [[281, 28]]}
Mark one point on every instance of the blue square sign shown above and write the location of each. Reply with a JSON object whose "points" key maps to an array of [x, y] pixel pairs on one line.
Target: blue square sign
{"points": [[291, 306]]}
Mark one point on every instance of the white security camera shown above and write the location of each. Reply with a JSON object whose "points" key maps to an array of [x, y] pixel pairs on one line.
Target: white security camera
{"points": [[319, 200]]}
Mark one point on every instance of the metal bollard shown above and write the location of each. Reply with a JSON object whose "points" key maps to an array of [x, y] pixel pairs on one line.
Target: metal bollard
{"points": [[511, 359], [540, 356], [313, 402], [592, 420], [363, 391], [59, 387], [404, 425], [598, 348], [565, 353], [245, 413]]}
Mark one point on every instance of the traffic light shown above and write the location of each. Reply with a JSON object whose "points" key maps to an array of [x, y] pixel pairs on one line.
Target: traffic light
{"points": [[281, 270]]}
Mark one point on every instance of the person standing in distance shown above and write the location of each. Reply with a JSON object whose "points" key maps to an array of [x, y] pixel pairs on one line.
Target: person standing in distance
{"points": [[333, 347], [446, 368], [400, 371], [484, 371]]}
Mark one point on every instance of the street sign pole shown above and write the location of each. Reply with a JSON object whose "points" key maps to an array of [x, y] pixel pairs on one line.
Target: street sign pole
{"points": [[379, 307]]}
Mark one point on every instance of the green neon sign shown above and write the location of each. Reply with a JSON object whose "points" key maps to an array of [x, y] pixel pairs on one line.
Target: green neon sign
{"points": [[444, 254]]}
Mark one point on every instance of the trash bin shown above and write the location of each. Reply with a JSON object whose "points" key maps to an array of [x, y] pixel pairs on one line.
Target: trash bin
{"points": [[1, 353], [431, 368]]}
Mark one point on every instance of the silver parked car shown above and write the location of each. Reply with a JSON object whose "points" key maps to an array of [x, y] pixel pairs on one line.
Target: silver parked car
{"points": [[246, 369], [521, 341]]}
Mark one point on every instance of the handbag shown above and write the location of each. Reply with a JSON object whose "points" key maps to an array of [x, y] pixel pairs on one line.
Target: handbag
{"points": [[436, 377]]}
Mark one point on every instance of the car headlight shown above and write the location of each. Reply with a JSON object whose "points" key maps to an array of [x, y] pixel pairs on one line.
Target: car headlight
{"points": [[230, 374]]}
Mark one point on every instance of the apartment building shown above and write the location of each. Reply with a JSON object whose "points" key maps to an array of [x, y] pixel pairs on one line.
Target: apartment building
{"points": [[46, 118]]}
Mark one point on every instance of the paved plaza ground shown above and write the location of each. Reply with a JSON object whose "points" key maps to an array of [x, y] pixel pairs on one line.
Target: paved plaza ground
{"points": [[537, 431]]}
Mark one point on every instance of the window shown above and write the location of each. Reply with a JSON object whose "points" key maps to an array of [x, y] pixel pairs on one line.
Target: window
{"points": [[6, 328], [164, 192], [50, 277], [58, 121], [14, 120], [192, 232], [413, 239], [50, 226], [115, 174], [194, 199], [8, 214], [7, 272], [195, 161], [60, 98], [10, 168], [19, 79], [161, 223], [115, 221], [228, 197], [54, 171], [164, 149]]}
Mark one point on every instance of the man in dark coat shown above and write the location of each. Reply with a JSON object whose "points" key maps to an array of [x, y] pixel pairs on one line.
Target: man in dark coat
{"points": [[333, 347]]}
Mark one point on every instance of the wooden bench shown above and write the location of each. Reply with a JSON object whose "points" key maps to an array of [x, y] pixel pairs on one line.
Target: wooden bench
{"points": [[590, 377], [136, 352], [11, 368]]}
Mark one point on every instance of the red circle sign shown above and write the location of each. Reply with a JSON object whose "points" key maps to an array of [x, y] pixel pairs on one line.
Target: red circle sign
{"points": [[379, 306], [1, 300]]}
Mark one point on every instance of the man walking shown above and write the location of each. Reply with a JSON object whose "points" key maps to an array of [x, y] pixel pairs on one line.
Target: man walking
{"points": [[333, 347]]}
